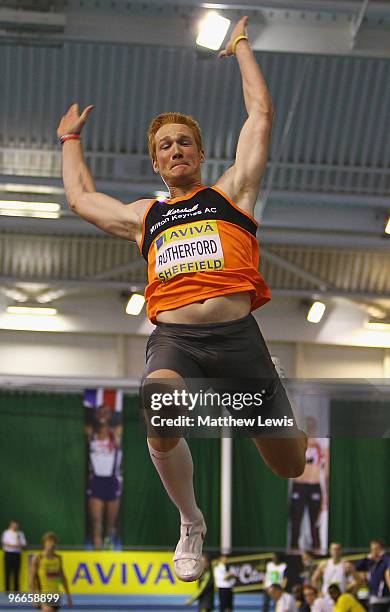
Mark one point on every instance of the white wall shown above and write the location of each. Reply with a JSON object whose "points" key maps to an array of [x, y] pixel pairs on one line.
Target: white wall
{"points": [[50, 354], [135, 356], [316, 361]]}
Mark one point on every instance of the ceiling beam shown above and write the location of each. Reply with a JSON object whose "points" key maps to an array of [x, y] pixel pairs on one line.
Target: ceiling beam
{"points": [[127, 176], [357, 22], [329, 293], [339, 6], [295, 27], [120, 286], [34, 21], [135, 265], [74, 284], [61, 384], [339, 240], [292, 267], [284, 222]]}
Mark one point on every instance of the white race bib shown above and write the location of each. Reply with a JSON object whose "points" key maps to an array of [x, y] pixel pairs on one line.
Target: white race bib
{"points": [[193, 247]]}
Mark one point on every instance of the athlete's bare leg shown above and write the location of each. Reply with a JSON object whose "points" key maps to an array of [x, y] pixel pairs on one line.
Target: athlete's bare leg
{"points": [[163, 447], [112, 509], [173, 461], [284, 456], [96, 512]]}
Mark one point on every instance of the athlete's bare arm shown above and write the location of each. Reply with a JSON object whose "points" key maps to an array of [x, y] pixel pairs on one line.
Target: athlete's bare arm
{"points": [[242, 181], [318, 574], [356, 581], [111, 215], [34, 579]]}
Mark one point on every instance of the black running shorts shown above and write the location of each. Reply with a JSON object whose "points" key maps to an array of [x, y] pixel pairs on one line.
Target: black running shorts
{"points": [[234, 355]]}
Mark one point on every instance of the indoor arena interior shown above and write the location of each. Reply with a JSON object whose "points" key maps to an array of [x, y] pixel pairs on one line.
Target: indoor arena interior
{"points": [[195, 305]]}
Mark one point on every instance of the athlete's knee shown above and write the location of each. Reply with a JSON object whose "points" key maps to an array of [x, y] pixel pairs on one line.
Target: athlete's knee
{"points": [[163, 445], [284, 456], [288, 467], [294, 464], [297, 460], [161, 393], [162, 373], [158, 385], [292, 469]]}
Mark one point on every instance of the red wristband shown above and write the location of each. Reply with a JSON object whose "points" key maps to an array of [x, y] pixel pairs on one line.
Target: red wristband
{"points": [[71, 136]]}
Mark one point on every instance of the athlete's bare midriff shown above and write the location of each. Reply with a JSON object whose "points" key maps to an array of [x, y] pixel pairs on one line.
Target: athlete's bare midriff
{"points": [[213, 310]]}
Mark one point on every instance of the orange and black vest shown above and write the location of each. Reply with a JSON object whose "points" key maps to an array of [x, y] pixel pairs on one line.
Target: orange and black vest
{"points": [[200, 246]]}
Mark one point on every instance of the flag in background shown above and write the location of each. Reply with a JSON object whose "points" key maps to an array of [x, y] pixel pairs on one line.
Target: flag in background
{"points": [[107, 397]]}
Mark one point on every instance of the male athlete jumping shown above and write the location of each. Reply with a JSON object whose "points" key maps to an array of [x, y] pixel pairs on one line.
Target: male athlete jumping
{"points": [[203, 287]]}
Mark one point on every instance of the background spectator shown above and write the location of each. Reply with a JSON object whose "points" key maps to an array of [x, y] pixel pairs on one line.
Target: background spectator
{"points": [[335, 570], [297, 593], [275, 573], [344, 602], [13, 541], [224, 581], [284, 602], [308, 567], [375, 569], [314, 603]]}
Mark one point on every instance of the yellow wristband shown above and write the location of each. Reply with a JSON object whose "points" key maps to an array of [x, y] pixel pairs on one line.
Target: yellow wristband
{"points": [[236, 41]]}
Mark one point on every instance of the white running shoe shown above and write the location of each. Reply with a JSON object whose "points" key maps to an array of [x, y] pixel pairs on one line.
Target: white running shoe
{"points": [[188, 561]]}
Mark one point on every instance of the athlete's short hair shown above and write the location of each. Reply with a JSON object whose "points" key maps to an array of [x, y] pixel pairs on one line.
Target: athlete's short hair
{"points": [[166, 118], [374, 541], [49, 535]]}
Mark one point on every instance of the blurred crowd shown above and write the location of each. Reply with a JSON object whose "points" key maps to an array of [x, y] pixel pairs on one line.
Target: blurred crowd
{"points": [[334, 584]]}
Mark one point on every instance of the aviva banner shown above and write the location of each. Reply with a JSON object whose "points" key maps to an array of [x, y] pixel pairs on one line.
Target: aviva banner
{"points": [[119, 573]]}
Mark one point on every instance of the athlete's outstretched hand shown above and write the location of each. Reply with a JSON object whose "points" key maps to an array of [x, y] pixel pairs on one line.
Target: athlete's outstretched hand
{"points": [[239, 30], [73, 121]]}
